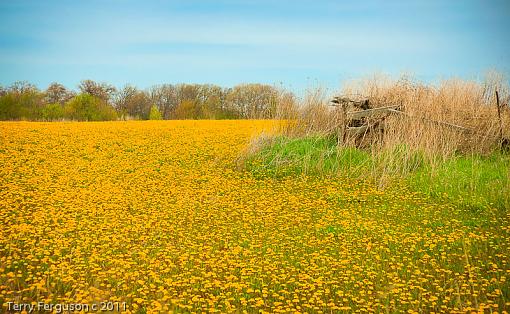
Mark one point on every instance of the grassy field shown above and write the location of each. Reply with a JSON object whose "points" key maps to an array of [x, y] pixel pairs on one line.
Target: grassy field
{"points": [[158, 215], [473, 181]]}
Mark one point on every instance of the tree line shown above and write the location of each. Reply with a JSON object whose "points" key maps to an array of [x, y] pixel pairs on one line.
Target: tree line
{"points": [[95, 101]]}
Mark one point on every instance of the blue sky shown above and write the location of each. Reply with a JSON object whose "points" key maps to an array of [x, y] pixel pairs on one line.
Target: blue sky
{"points": [[294, 43]]}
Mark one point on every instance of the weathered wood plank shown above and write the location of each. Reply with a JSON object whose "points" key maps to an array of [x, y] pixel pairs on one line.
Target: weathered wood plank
{"points": [[499, 117], [353, 130]]}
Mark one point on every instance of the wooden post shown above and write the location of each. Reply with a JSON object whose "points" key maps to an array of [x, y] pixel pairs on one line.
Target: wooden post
{"points": [[345, 123], [500, 121]]}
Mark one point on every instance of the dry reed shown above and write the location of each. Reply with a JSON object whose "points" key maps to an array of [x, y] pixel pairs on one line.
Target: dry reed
{"points": [[464, 103]]}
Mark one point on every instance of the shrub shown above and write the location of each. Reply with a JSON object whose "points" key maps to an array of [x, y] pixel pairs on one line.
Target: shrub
{"points": [[9, 107], [16, 105], [155, 114], [52, 112], [187, 109], [85, 107]]}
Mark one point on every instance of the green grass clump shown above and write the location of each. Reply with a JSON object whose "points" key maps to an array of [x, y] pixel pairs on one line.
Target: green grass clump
{"points": [[470, 181], [311, 155]]}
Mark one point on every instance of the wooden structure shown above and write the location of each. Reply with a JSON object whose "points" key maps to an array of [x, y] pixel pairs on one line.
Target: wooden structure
{"points": [[356, 118]]}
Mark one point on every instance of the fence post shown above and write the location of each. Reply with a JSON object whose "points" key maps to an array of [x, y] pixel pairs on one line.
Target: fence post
{"points": [[500, 121]]}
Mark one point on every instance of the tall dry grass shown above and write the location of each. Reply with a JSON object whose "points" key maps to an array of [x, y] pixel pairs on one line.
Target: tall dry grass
{"points": [[421, 134], [469, 104]]}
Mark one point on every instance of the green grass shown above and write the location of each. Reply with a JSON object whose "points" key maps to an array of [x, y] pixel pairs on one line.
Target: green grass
{"points": [[468, 181], [313, 155]]}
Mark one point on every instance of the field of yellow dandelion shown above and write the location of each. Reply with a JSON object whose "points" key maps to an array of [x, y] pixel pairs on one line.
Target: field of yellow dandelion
{"points": [[154, 217]]}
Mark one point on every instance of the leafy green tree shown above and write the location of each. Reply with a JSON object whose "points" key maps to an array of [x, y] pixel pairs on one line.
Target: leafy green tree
{"points": [[9, 107], [21, 101], [52, 112], [155, 114], [85, 107]]}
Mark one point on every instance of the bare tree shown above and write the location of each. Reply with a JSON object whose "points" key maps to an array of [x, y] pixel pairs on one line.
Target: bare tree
{"points": [[123, 97], [57, 93], [253, 100], [165, 98], [20, 87], [103, 91], [133, 102]]}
